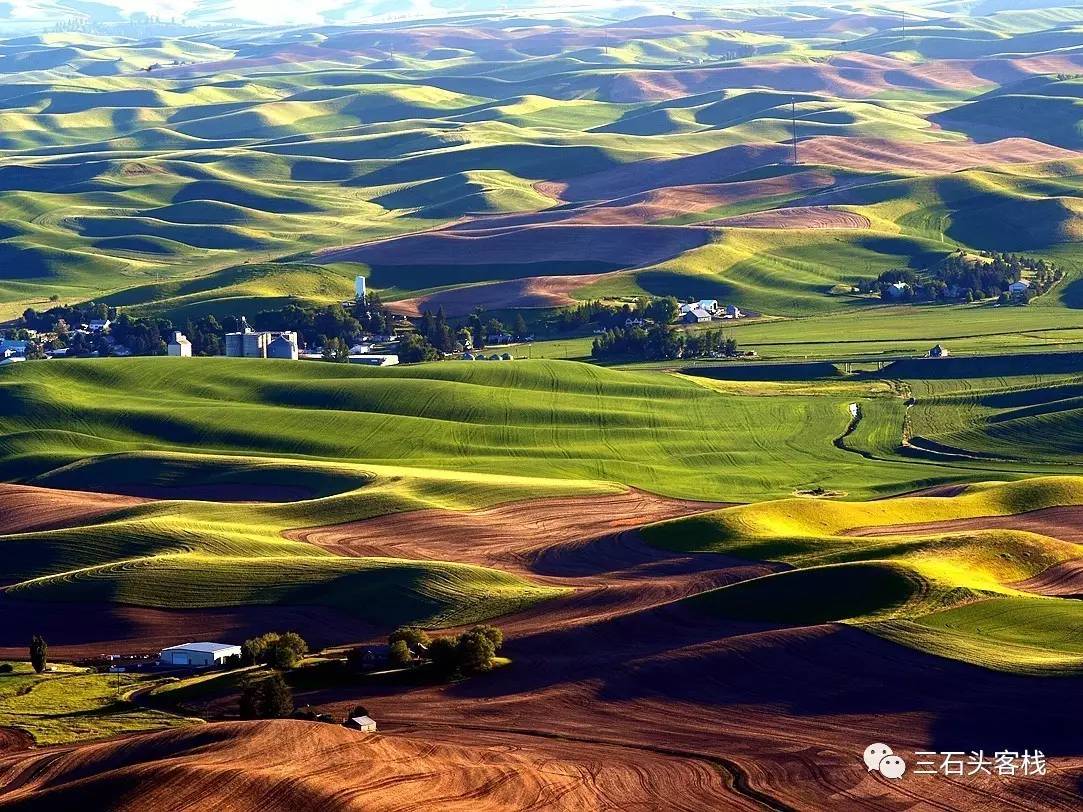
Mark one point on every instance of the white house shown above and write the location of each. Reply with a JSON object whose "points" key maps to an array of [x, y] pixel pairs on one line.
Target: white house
{"points": [[179, 346], [1019, 288], [10, 346], [732, 312], [98, 325], [366, 724], [200, 655]]}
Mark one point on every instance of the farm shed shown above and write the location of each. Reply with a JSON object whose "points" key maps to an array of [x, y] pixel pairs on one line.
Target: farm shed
{"points": [[366, 724], [198, 654], [695, 315]]}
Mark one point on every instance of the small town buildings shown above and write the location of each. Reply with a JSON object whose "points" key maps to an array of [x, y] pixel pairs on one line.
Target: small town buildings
{"points": [[99, 325], [1019, 289], [365, 724], [179, 346], [732, 312], [11, 346], [710, 305], [696, 315], [282, 346], [199, 655], [939, 352]]}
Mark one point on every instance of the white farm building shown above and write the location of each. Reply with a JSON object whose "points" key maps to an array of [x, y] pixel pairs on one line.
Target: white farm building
{"points": [[198, 654]]}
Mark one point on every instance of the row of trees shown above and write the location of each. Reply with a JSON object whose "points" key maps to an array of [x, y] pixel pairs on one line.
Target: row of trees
{"points": [[662, 343]]}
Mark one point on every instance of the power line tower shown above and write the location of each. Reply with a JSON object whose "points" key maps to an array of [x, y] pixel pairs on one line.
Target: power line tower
{"points": [[793, 122]]}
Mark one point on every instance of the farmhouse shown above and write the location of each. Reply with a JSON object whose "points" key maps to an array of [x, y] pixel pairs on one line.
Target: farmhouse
{"points": [[939, 352], [1019, 289], [199, 655], [179, 346], [10, 346], [366, 724], [732, 312]]}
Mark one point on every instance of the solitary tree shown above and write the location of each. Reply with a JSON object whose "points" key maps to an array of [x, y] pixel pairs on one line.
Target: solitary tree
{"points": [[520, 326], [277, 700], [39, 653], [399, 653], [268, 698]]}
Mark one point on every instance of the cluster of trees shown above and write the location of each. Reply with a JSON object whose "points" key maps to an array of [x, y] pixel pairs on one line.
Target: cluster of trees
{"points": [[141, 336], [471, 652], [72, 316], [961, 276], [660, 311], [207, 336], [662, 343], [276, 649]]}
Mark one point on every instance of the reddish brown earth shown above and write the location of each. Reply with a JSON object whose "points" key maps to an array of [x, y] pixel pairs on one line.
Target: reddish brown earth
{"points": [[796, 217], [531, 292], [619, 696], [27, 508], [12, 740], [787, 711], [295, 765], [1065, 523]]}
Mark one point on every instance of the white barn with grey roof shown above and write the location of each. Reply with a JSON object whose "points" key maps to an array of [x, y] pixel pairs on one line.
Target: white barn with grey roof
{"points": [[199, 655]]}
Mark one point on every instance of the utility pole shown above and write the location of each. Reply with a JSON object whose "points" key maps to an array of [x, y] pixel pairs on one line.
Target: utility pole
{"points": [[793, 121]]}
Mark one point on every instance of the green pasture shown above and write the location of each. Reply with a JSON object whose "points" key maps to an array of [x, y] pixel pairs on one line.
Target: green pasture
{"points": [[68, 704], [951, 593]]}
